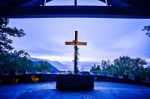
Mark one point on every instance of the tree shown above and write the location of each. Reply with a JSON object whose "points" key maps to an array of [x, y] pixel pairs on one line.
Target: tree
{"points": [[16, 61], [147, 73], [45, 66], [147, 29], [132, 67], [104, 64], [123, 65], [5, 34], [22, 63], [10, 59], [138, 69], [95, 69], [104, 68], [42, 66]]}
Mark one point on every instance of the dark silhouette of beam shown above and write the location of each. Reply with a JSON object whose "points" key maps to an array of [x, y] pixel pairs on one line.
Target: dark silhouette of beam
{"points": [[74, 11]]}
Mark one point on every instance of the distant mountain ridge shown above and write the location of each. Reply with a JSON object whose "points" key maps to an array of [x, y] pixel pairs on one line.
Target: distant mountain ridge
{"points": [[59, 66], [82, 66], [67, 66]]}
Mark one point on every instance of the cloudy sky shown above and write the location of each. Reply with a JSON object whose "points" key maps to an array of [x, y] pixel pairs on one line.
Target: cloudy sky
{"points": [[106, 38]]}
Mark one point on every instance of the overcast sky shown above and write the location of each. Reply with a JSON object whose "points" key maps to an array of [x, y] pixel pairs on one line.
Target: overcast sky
{"points": [[106, 38]]}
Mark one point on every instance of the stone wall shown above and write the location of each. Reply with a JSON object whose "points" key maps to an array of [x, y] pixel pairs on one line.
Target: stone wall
{"points": [[27, 78], [31, 78]]}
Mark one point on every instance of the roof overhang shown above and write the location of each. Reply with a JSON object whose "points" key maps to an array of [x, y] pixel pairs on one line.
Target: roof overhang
{"points": [[74, 11]]}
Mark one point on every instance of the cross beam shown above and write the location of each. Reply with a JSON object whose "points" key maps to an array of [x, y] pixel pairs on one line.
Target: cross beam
{"points": [[76, 43], [74, 11]]}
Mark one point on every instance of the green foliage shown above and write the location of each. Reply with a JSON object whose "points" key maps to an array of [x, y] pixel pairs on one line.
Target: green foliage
{"points": [[19, 62], [15, 61], [42, 66], [147, 29], [131, 67], [104, 68], [11, 60], [96, 69], [123, 65], [45, 66], [5, 35]]}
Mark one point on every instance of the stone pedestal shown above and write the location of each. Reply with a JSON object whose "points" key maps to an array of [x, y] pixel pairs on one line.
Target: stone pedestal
{"points": [[75, 82]]}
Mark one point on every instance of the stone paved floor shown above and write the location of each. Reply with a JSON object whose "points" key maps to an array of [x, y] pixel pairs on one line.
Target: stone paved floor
{"points": [[102, 90]]}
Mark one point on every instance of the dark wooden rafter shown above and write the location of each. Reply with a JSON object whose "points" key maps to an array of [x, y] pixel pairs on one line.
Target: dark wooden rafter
{"points": [[115, 3], [74, 11]]}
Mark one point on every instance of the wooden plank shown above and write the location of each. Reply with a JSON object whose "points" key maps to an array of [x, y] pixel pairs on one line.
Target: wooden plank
{"points": [[81, 43], [74, 11], [75, 43], [69, 43]]}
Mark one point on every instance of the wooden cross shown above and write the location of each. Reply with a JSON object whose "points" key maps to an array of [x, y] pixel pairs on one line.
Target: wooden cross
{"points": [[76, 43]]}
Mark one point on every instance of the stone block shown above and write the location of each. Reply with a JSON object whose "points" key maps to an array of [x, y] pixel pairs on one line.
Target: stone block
{"points": [[74, 82]]}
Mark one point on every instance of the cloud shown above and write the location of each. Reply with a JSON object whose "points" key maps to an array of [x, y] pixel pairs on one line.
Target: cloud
{"points": [[107, 38]]}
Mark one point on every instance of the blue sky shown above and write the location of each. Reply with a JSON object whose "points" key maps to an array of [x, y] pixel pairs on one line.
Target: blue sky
{"points": [[106, 38]]}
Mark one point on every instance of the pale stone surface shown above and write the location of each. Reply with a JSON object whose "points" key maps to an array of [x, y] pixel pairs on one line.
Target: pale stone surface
{"points": [[102, 90]]}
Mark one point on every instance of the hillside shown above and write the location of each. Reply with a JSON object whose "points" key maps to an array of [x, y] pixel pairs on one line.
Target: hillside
{"points": [[59, 66], [53, 68]]}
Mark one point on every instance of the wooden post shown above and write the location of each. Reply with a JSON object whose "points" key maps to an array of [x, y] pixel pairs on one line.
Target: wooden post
{"points": [[76, 53]]}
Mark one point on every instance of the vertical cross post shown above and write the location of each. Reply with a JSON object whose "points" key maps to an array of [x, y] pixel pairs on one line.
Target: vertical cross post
{"points": [[76, 53], [43, 2], [75, 3]]}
